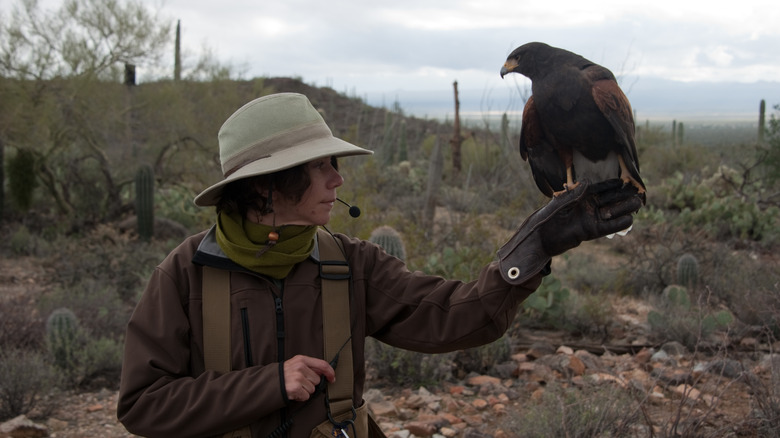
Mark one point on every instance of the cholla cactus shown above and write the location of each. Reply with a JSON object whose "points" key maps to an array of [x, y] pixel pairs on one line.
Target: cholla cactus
{"points": [[389, 239]]}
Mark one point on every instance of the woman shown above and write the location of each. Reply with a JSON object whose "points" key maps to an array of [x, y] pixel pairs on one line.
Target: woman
{"points": [[279, 161]]}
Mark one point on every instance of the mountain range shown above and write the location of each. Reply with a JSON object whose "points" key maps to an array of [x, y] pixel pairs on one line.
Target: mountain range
{"points": [[652, 99]]}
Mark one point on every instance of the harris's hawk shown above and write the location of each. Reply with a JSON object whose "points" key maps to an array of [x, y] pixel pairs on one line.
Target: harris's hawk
{"points": [[577, 124]]}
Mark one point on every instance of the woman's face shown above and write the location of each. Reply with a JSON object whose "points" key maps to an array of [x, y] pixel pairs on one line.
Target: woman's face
{"points": [[317, 201]]}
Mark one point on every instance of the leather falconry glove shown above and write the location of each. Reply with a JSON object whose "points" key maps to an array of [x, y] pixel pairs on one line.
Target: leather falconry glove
{"points": [[587, 212]]}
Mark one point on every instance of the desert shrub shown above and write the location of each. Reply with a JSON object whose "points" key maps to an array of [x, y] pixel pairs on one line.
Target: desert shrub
{"points": [[95, 302], [24, 242], [753, 293], [652, 252], [595, 410], [461, 263], [399, 367], [765, 398], [680, 319], [583, 272], [483, 358], [589, 313], [710, 205], [76, 353], [111, 258], [101, 362], [26, 377], [666, 161], [20, 324], [175, 203]]}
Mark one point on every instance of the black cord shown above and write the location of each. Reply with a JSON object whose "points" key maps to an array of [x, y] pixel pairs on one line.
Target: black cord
{"points": [[283, 428], [338, 243]]}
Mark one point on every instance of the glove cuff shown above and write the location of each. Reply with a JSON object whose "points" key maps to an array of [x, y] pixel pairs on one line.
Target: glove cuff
{"points": [[524, 255]]}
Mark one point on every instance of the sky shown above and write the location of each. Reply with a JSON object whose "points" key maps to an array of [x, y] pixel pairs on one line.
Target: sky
{"points": [[408, 49]]}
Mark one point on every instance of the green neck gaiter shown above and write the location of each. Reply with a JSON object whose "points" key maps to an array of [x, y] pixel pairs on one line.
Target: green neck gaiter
{"points": [[245, 242]]}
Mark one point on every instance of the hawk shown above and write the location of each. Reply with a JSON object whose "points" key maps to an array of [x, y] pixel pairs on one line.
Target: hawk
{"points": [[577, 124]]}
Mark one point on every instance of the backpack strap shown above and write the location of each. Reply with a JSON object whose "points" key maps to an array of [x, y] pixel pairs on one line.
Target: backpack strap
{"points": [[216, 319], [335, 274], [216, 328]]}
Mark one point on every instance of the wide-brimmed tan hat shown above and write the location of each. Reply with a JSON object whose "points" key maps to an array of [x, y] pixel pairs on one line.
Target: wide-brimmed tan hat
{"points": [[273, 133]]}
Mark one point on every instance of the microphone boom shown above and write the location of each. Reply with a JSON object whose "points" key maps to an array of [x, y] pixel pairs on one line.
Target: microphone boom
{"points": [[354, 211]]}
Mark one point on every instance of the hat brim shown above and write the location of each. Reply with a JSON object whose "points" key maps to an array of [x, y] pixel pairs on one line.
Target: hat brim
{"points": [[281, 160]]}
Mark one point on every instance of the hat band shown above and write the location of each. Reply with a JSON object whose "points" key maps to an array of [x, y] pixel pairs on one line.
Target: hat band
{"points": [[266, 148]]}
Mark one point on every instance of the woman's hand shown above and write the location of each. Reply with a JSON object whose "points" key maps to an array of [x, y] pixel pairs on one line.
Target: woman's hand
{"points": [[302, 374]]}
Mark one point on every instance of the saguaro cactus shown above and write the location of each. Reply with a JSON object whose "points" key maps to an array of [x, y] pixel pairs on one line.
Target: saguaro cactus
{"points": [[389, 239], [177, 54], [144, 201], [761, 120], [21, 178]]}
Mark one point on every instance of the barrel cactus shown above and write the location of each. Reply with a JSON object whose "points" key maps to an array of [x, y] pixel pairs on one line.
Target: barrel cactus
{"points": [[389, 239], [687, 270], [144, 201], [62, 337]]}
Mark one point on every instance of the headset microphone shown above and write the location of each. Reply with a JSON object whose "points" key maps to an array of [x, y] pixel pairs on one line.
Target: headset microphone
{"points": [[354, 211]]}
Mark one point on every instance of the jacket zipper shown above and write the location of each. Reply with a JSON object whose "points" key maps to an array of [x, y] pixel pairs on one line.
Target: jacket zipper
{"points": [[247, 344], [280, 343]]}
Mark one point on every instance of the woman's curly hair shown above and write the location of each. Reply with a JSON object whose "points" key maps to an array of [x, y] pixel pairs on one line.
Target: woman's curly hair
{"points": [[252, 193]]}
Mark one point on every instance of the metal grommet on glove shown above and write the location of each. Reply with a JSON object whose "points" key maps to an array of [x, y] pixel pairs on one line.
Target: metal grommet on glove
{"points": [[513, 273]]}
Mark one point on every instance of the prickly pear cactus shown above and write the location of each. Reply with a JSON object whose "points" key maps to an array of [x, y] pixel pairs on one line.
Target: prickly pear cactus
{"points": [[677, 297]]}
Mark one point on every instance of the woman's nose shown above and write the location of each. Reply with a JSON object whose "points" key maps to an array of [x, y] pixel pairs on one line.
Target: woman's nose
{"points": [[336, 179]]}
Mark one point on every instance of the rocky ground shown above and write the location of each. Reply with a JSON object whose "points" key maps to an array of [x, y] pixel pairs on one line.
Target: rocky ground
{"points": [[716, 393], [712, 397]]}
